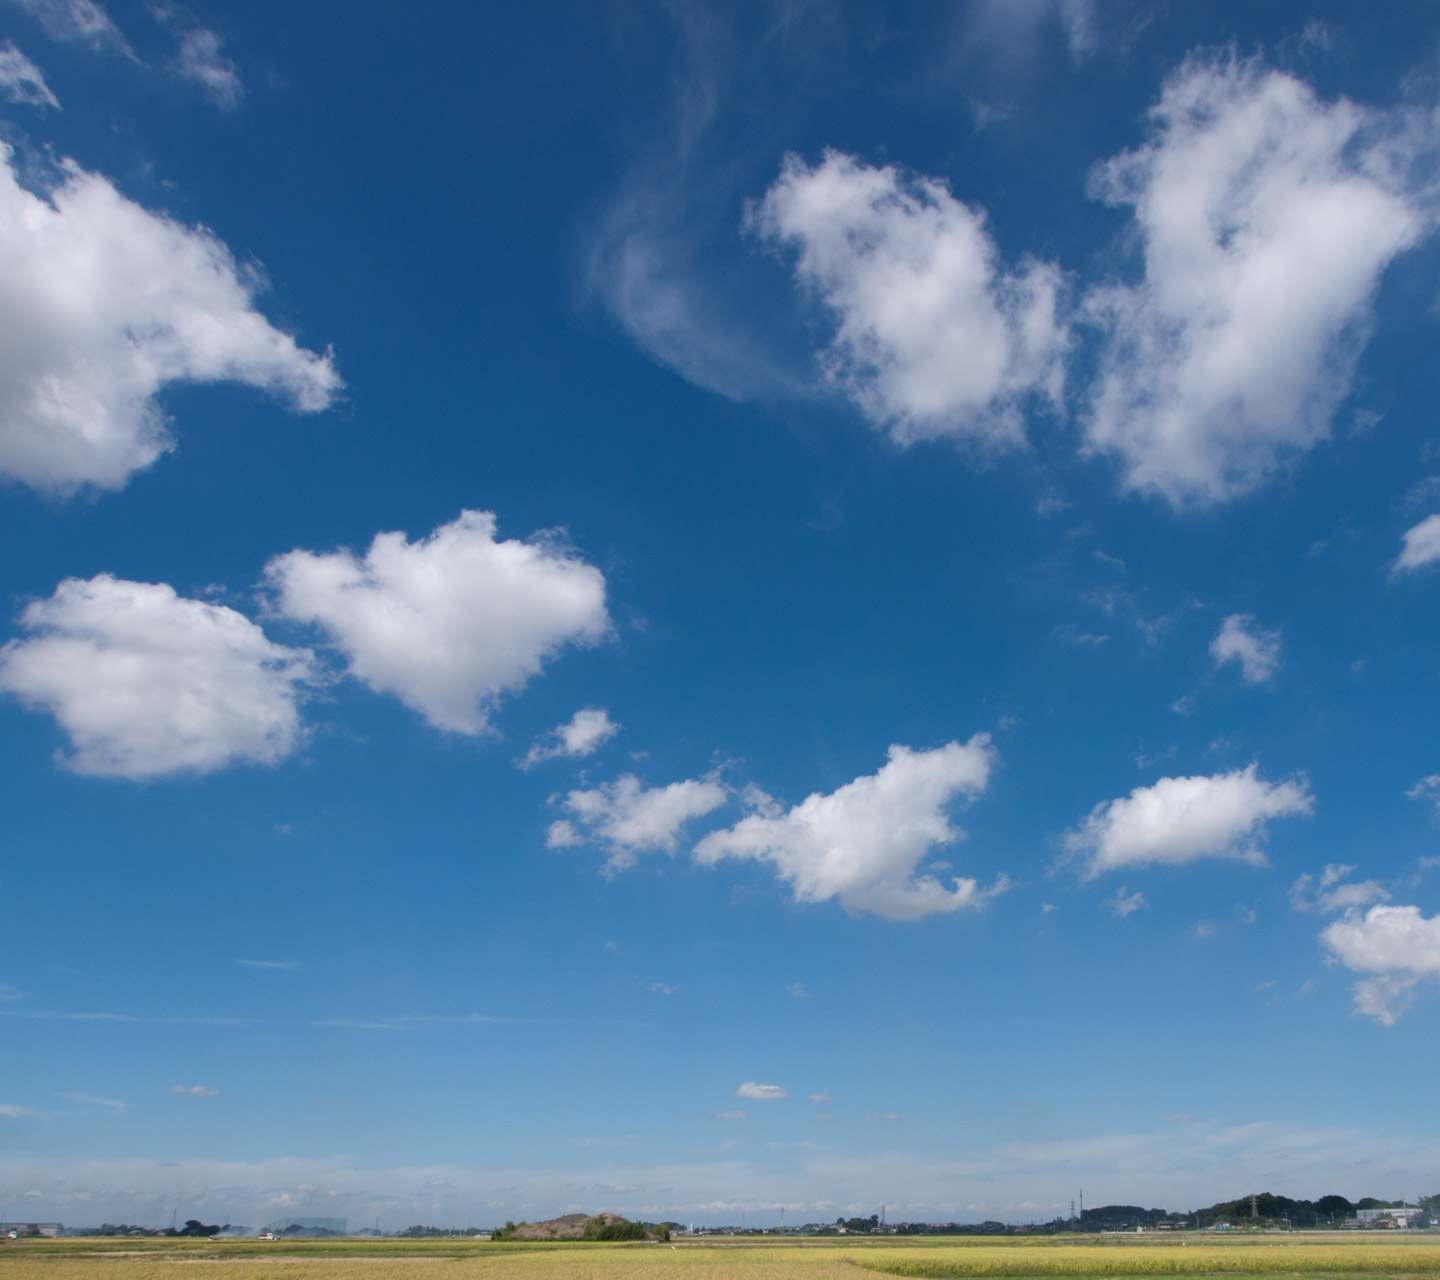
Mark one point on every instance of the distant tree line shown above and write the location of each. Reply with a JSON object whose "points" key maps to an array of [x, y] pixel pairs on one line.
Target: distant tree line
{"points": [[429, 1233], [1327, 1211], [1267, 1210]]}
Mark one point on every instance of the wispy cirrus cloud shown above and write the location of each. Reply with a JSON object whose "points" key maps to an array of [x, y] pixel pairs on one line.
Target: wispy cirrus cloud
{"points": [[85, 21], [420, 1021], [200, 60], [22, 81], [163, 1020], [661, 257], [94, 1100]]}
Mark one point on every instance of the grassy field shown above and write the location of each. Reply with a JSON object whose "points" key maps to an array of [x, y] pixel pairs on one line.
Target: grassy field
{"points": [[1307, 1256]]}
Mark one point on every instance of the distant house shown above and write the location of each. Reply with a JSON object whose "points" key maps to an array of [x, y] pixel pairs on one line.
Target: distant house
{"points": [[1400, 1217]]}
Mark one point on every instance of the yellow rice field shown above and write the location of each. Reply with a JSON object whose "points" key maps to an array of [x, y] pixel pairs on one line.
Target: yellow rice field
{"points": [[1315, 1256]]}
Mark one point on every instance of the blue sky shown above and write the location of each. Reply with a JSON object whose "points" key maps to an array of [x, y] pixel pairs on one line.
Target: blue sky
{"points": [[689, 609]]}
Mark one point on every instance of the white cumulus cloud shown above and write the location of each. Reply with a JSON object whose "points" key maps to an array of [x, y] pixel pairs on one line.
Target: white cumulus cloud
{"points": [[1243, 640], [145, 682], [201, 62], [21, 81], [1422, 545], [934, 337], [628, 818], [450, 623], [863, 842], [582, 735], [761, 1092], [1180, 819], [102, 303], [1397, 946], [1266, 216]]}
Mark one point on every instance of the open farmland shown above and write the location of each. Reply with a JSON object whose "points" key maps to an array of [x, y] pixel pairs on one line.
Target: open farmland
{"points": [[719, 1259]]}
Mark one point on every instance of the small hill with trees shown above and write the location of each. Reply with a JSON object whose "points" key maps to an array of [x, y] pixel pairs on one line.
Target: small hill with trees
{"points": [[580, 1226]]}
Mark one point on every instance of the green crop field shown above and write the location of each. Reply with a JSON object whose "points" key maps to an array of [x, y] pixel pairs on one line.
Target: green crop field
{"points": [[719, 1259]]}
